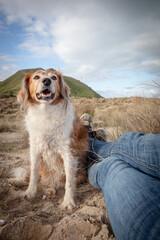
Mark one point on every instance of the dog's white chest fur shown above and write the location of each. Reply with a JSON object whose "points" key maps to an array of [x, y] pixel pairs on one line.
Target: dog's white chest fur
{"points": [[49, 128], [50, 124]]}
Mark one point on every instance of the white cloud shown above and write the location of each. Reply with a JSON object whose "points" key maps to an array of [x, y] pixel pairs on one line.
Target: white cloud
{"points": [[7, 70], [5, 58], [38, 47], [140, 92], [7, 67]]}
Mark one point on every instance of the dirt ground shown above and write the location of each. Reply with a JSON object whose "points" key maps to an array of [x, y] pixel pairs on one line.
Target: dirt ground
{"points": [[42, 219]]}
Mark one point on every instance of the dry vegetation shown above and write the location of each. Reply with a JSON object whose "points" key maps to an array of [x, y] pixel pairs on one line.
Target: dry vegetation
{"points": [[9, 114], [122, 115]]}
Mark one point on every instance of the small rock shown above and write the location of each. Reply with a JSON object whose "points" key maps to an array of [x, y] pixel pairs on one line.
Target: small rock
{"points": [[2, 222], [44, 197]]}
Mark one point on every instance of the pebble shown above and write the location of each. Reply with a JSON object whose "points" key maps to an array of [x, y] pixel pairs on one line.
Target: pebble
{"points": [[2, 222], [44, 197]]}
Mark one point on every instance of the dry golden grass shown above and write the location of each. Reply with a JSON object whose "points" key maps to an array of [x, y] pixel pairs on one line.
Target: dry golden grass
{"points": [[7, 124], [83, 105], [122, 115], [140, 117], [2, 171], [9, 114]]}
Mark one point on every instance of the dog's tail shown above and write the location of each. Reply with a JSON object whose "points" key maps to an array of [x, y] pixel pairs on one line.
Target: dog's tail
{"points": [[19, 177]]}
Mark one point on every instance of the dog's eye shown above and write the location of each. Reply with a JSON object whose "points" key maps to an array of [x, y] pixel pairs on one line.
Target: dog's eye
{"points": [[36, 77], [54, 77]]}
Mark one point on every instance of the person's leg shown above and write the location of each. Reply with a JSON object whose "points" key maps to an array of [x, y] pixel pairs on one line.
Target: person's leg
{"points": [[132, 197], [141, 151]]}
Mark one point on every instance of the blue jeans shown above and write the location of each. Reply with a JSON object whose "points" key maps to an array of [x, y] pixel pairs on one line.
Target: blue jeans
{"points": [[128, 172]]}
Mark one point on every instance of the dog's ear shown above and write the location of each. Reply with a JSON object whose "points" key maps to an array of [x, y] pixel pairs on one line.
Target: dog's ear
{"points": [[23, 94], [65, 90]]}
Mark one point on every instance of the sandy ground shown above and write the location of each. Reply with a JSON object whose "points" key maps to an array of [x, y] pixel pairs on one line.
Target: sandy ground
{"points": [[43, 219]]}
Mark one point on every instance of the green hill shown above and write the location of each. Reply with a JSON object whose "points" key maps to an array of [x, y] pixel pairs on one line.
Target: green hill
{"points": [[11, 85]]}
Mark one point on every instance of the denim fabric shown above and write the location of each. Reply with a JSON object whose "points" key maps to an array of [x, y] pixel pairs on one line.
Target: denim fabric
{"points": [[98, 151], [129, 175]]}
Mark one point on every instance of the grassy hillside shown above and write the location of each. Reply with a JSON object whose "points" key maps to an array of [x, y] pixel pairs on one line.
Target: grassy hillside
{"points": [[11, 85], [79, 89]]}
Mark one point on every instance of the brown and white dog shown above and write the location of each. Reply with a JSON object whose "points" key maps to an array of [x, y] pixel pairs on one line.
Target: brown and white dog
{"points": [[58, 141]]}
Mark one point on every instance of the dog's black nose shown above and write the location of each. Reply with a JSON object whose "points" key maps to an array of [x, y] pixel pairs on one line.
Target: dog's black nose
{"points": [[46, 81]]}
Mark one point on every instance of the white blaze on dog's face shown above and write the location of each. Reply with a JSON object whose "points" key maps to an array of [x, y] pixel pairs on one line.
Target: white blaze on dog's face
{"points": [[43, 87]]}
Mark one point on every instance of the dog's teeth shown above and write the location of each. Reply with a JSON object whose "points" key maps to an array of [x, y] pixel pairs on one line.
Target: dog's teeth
{"points": [[46, 95]]}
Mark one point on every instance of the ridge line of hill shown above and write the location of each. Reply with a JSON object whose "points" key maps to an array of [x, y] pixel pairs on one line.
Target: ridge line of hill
{"points": [[11, 85]]}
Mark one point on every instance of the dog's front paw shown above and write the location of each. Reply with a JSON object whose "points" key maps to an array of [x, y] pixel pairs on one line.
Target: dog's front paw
{"points": [[68, 204], [28, 194]]}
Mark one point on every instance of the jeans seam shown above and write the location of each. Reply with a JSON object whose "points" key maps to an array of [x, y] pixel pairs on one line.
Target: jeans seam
{"points": [[137, 161]]}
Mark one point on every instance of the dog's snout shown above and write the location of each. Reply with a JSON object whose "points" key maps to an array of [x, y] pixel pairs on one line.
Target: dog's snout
{"points": [[46, 81]]}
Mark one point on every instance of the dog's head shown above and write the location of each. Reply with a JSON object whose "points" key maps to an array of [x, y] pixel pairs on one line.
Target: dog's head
{"points": [[43, 87]]}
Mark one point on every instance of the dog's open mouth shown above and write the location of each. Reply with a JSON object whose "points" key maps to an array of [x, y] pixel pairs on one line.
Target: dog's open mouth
{"points": [[45, 95]]}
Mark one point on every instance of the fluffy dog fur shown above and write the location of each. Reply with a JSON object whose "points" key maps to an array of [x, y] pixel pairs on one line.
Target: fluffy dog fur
{"points": [[58, 142]]}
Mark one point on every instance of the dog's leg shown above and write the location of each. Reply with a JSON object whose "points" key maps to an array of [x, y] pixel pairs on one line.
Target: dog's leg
{"points": [[35, 161], [70, 165]]}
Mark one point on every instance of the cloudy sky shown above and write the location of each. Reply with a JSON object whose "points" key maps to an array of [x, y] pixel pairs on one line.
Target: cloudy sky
{"points": [[111, 45]]}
